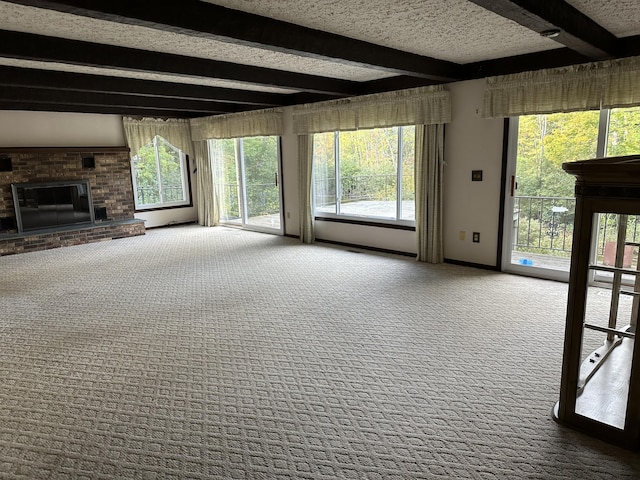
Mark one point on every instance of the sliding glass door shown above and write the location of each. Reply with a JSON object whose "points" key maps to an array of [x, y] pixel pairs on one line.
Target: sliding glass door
{"points": [[540, 204], [247, 180]]}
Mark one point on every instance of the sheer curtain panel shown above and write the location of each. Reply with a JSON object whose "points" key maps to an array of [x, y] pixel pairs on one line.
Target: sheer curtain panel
{"points": [[237, 125], [423, 105], [140, 132], [208, 211], [234, 125], [426, 107], [305, 188], [623, 89], [590, 86], [429, 179]]}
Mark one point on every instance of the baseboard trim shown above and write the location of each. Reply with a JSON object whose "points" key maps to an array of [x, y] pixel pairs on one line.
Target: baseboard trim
{"points": [[174, 224], [493, 268]]}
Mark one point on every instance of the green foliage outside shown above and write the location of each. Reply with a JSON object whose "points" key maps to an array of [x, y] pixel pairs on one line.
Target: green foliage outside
{"points": [[223, 155], [153, 186], [544, 143], [624, 132], [260, 157], [368, 166], [261, 170]]}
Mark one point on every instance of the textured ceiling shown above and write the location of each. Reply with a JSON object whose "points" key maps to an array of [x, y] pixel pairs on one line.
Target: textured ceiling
{"points": [[622, 17], [212, 82], [453, 30], [435, 41], [46, 22]]}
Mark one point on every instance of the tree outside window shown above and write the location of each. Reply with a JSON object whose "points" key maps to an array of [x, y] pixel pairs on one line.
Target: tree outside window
{"points": [[365, 173], [160, 176]]}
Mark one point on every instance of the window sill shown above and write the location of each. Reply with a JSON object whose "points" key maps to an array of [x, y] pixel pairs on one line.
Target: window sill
{"points": [[162, 207], [368, 222]]}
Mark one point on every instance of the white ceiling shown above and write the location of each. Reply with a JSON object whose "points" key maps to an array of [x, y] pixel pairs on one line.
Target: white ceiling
{"points": [[55, 24], [457, 31], [453, 30], [620, 17]]}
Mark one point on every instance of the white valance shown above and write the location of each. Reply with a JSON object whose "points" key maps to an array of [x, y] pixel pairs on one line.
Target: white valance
{"points": [[591, 86], [141, 132], [623, 89], [423, 105], [236, 125]]}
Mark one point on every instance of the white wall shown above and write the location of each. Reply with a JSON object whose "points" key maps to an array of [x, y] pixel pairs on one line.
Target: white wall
{"points": [[173, 216], [51, 129], [471, 143], [375, 237], [55, 129]]}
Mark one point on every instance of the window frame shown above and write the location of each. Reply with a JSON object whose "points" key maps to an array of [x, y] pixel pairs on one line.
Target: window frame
{"points": [[398, 222], [244, 220], [509, 176], [184, 174]]}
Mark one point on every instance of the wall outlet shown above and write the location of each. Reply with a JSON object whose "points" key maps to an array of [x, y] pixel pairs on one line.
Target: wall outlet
{"points": [[476, 237], [462, 234]]}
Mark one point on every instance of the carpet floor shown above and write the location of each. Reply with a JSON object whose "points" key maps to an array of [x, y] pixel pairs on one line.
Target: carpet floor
{"points": [[216, 353]]}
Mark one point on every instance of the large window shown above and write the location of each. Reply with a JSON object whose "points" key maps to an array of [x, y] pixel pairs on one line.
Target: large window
{"points": [[365, 174], [160, 176]]}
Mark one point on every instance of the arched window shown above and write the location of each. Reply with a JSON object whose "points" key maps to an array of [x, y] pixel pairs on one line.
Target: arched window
{"points": [[160, 176]]}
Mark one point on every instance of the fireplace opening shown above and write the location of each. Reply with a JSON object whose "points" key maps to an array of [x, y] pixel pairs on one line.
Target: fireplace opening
{"points": [[51, 205]]}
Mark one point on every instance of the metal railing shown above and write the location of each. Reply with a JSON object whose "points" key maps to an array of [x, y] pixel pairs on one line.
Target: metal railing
{"points": [[545, 225], [357, 188], [152, 196], [262, 199]]}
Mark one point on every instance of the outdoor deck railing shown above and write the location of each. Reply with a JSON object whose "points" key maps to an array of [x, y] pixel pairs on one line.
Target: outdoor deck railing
{"points": [[152, 195], [357, 188], [545, 225]]}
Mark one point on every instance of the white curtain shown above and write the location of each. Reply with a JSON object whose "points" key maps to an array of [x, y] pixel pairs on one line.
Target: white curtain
{"points": [[236, 125], [305, 175], [590, 86], [423, 105], [623, 89], [140, 132], [208, 211], [426, 107], [429, 178]]}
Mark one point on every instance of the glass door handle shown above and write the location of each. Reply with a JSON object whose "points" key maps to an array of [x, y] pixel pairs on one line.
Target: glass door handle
{"points": [[276, 178]]}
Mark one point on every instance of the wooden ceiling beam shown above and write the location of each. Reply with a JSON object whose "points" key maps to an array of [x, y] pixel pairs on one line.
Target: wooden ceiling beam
{"points": [[101, 109], [574, 29], [27, 46], [42, 95], [560, 57], [80, 82], [206, 20]]}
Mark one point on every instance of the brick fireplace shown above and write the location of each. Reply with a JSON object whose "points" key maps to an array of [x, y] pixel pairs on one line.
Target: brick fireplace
{"points": [[106, 168]]}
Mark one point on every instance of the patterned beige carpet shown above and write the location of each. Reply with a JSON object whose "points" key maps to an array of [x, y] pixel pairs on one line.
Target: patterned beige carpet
{"points": [[213, 353]]}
